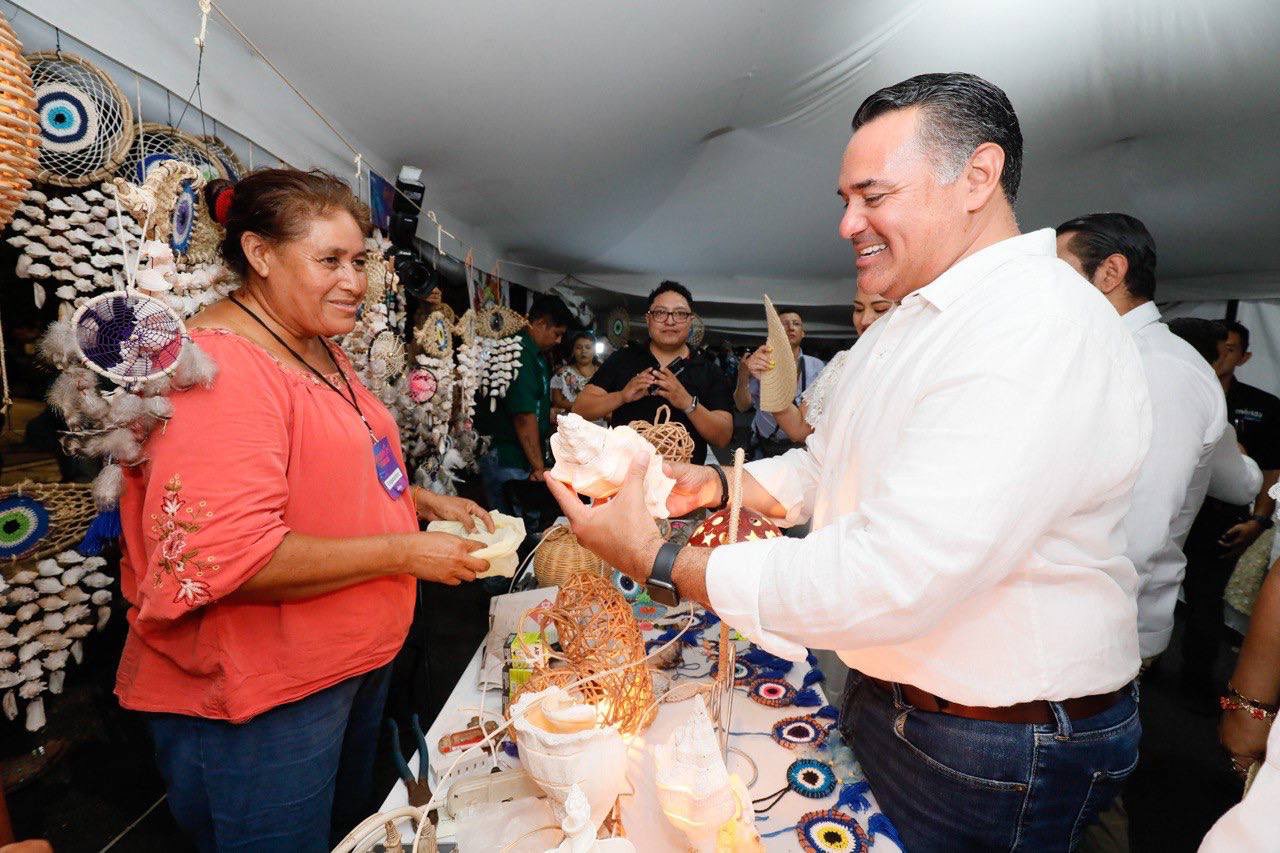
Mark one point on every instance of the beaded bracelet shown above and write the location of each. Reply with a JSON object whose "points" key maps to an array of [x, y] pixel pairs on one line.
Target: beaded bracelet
{"points": [[1234, 700]]}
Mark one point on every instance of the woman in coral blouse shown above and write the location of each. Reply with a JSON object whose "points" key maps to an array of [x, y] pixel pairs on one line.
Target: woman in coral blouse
{"points": [[270, 543]]}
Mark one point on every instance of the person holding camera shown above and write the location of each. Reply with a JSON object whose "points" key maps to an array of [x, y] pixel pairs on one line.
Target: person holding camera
{"points": [[639, 379]]}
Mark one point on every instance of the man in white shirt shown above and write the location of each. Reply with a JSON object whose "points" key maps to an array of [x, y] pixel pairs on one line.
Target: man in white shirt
{"points": [[967, 553], [1115, 253]]}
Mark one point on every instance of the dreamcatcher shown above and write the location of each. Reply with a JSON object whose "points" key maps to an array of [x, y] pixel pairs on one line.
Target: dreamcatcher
{"points": [[159, 143], [230, 164], [490, 355], [430, 387], [50, 590], [86, 124], [375, 346], [617, 327], [136, 342]]}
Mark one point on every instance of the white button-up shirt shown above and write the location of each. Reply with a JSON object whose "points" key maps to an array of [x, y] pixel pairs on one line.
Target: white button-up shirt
{"points": [[1189, 416], [967, 483]]}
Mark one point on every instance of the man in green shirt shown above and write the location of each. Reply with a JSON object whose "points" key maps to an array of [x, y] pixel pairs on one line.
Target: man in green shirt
{"points": [[520, 424]]}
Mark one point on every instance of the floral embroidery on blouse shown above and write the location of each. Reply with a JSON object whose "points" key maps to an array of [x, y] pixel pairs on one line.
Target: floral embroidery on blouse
{"points": [[177, 521]]}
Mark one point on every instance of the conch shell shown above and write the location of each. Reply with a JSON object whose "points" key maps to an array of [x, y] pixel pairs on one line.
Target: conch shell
{"points": [[696, 791], [593, 758], [595, 460]]}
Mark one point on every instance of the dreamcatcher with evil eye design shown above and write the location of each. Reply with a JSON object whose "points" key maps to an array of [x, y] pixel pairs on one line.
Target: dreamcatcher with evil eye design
{"points": [[86, 124]]}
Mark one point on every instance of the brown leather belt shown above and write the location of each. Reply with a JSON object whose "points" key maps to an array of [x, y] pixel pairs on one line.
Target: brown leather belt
{"points": [[1023, 713]]}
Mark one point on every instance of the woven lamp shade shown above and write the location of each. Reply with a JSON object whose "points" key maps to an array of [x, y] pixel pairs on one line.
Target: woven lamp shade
{"points": [[19, 125], [560, 557]]}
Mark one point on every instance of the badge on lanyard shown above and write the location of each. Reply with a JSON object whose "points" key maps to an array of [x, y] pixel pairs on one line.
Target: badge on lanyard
{"points": [[390, 474]]}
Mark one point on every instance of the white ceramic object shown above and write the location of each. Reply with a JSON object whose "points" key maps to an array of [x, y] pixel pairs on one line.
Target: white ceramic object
{"points": [[500, 545], [580, 834], [593, 758], [595, 461]]}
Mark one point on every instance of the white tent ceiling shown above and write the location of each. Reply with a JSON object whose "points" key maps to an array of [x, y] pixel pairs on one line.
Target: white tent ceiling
{"points": [[629, 142]]}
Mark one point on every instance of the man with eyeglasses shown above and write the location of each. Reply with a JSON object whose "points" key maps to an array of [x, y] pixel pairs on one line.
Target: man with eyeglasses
{"points": [[639, 379]]}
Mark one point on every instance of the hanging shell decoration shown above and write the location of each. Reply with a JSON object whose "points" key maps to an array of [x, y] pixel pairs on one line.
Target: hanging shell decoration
{"points": [[112, 419], [430, 386], [19, 124], [375, 345], [490, 355], [74, 243], [47, 608]]}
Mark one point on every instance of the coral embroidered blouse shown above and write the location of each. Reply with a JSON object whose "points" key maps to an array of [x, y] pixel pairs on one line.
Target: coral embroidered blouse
{"points": [[266, 451]]}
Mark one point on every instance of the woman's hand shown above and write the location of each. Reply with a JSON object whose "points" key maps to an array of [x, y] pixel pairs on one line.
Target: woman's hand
{"points": [[1244, 738], [696, 486], [441, 558], [433, 507], [760, 362]]}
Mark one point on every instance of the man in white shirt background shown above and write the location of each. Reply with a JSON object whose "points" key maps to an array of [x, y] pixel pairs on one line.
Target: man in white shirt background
{"points": [[1116, 254], [967, 554]]}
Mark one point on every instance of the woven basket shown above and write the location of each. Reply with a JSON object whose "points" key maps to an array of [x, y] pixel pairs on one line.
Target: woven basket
{"points": [[156, 143], [70, 509], [668, 437], [560, 557], [19, 125]]}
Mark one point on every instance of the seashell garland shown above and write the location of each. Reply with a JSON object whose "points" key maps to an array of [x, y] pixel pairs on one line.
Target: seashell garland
{"points": [[42, 634]]}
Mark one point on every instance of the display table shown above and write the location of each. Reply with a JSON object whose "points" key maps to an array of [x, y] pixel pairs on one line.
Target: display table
{"points": [[757, 750]]}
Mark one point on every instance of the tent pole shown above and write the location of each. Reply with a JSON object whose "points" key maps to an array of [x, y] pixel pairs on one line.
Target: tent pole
{"points": [[1233, 308]]}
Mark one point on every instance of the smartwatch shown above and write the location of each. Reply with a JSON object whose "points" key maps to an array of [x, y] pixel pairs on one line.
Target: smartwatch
{"points": [[659, 584], [1266, 521], [693, 404]]}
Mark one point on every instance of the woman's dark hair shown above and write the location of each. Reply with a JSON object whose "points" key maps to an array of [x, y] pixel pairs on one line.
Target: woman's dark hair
{"points": [[1098, 236], [1203, 335], [958, 112], [276, 204], [670, 287], [577, 336]]}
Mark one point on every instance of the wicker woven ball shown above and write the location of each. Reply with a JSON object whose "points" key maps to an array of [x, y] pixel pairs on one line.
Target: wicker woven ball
{"points": [[714, 530], [668, 437], [560, 557], [19, 125]]}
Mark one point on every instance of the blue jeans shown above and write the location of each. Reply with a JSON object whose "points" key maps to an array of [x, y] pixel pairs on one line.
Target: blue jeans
{"points": [[494, 475], [297, 777], [952, 784]]}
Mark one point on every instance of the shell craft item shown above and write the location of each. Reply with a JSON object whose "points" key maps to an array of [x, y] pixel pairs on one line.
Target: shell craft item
{"points": [[595, 460], [562, 745]]}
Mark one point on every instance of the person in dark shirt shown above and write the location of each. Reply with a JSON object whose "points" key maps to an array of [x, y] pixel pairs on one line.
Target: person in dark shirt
{"points": [[639, 379], [1221, 532], [520, 425]]}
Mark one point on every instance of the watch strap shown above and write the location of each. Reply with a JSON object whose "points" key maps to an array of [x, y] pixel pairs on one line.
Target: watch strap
{"points": [[1266, 521], [660, 586], [693, 404]]}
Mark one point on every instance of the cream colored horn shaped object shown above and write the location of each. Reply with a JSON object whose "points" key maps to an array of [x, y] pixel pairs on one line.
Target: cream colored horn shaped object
{"points": [[778, 386]]}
